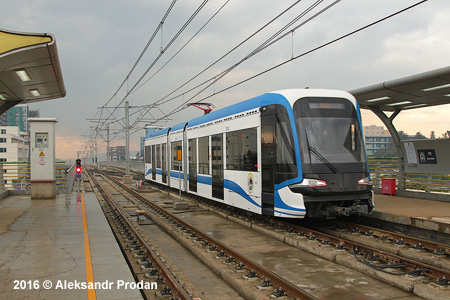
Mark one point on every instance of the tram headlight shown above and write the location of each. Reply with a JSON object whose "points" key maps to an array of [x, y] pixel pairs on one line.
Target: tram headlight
{"points": [[364, 181], [307, 182]]}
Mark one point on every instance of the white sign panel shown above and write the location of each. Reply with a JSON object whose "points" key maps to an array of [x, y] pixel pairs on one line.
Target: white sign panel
{"points": [[411, 154]]}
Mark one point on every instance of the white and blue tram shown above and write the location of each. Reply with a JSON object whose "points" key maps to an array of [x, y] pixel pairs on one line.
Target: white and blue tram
{"points": [[290, 153]]}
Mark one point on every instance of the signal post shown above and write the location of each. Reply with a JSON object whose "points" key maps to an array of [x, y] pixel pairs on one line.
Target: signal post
{"points": [[78, 175]]}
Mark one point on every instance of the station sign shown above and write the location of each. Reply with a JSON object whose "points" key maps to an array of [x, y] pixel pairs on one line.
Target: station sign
{"points": [[427, 156]]}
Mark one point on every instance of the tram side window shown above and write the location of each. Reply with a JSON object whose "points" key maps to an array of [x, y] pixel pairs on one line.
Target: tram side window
{"points": [[203, 155], [147, 154], [176, 165], [242, 150], [158, 156]]}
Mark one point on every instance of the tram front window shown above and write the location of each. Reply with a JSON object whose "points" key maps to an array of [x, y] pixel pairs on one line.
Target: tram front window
{"points": [[329, 135]]}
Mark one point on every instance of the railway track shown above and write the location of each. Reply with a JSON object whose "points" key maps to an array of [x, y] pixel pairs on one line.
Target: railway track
{"points": [[365, 259], [138, 249], [388, 246], [409, 263], [245, 270]]}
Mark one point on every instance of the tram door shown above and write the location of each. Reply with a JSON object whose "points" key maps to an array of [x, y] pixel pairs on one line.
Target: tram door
{"points": [[164, 162], [192, 151], [217, 165], [268, 155], [153, 162]]}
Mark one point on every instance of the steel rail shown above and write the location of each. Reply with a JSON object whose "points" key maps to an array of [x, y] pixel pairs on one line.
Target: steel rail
{"points": [[171, 281], [277, 281], [412, 241], [433, 272]]}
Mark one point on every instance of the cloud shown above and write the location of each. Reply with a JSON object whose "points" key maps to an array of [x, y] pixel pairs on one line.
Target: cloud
{"points": [[99, 41]]}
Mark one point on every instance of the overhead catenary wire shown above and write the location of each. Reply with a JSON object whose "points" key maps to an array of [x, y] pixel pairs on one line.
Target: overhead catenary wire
{"points": [[158, 28], [134, 88], [228, 53], [270, 41], [261, 47], [185, 25], [267, 43], [228, 70], [273, 39], [182, 106], [129, 91], [179, 108]]}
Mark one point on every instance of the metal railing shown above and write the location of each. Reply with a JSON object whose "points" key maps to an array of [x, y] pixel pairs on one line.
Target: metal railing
{"points": [[389, 168], [134, 164], [16, 175], [60, 174]]}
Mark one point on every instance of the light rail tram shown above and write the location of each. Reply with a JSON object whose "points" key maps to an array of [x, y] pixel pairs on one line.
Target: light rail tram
{"points": [[289, 153]]}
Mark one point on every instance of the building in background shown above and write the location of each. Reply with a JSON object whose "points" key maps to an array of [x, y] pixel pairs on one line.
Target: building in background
{"points": [[18, 116], [117, 153], [15, 133], [14, 145], [376, 138]]}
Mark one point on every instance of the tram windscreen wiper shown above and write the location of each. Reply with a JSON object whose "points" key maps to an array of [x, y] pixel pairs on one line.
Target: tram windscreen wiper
{"points": [[316, 153]]}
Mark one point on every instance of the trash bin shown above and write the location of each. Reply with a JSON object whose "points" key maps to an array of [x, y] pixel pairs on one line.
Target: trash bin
{"points": [[388, 186]]}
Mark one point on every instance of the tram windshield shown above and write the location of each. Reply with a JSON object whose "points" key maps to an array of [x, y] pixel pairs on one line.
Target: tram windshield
{"points": [[329, 135]]}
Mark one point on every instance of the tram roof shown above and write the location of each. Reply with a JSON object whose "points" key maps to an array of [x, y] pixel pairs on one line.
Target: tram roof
{"points": [[29, 69], [421, 90]]}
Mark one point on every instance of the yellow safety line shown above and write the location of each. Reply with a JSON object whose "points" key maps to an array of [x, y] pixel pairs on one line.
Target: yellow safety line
{"points": [[87, 254]]}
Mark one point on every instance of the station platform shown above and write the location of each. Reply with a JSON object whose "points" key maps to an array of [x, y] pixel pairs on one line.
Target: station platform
{"points": [[424, 214], [52, 249]]}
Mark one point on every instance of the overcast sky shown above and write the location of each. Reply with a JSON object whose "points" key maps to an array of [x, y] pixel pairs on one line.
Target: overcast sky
{"points": [[99, 41]]}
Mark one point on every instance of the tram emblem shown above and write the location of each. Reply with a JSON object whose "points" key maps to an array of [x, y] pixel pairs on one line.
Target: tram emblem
{"points": [[250, 182]]}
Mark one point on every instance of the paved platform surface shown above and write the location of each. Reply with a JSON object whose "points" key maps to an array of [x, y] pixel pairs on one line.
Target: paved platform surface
{"points": [[44, 242], [426, 214]]}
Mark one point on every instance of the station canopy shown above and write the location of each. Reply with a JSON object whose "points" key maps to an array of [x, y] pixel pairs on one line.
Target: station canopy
{"points": [[413, 92], [417, 91], [29, 69]]}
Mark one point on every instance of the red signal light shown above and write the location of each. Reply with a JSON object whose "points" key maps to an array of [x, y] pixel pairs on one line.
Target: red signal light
{"points": [[78, 169]]}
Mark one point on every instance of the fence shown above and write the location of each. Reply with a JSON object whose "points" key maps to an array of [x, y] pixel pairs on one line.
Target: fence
{"points": [[16, 175], [389, 168]]}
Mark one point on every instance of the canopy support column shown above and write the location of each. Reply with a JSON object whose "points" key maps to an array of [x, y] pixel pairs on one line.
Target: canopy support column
{"points": [[395, 137]]}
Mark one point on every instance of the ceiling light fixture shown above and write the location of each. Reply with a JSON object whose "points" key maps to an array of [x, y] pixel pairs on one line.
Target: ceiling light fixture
{"points": [[417, 105], [399, 103], [4, 96], [436, 88], [23, 75], [378, 99], [35, 92]]}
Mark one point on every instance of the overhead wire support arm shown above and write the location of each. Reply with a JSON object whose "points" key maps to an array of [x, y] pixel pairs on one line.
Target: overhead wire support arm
{"points": [[159, 56], [139, 59]]}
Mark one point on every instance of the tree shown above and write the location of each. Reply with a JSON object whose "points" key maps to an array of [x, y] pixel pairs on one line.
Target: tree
{"points": [[432, 135], [419, 136], [384, 153], [403, 135]]}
